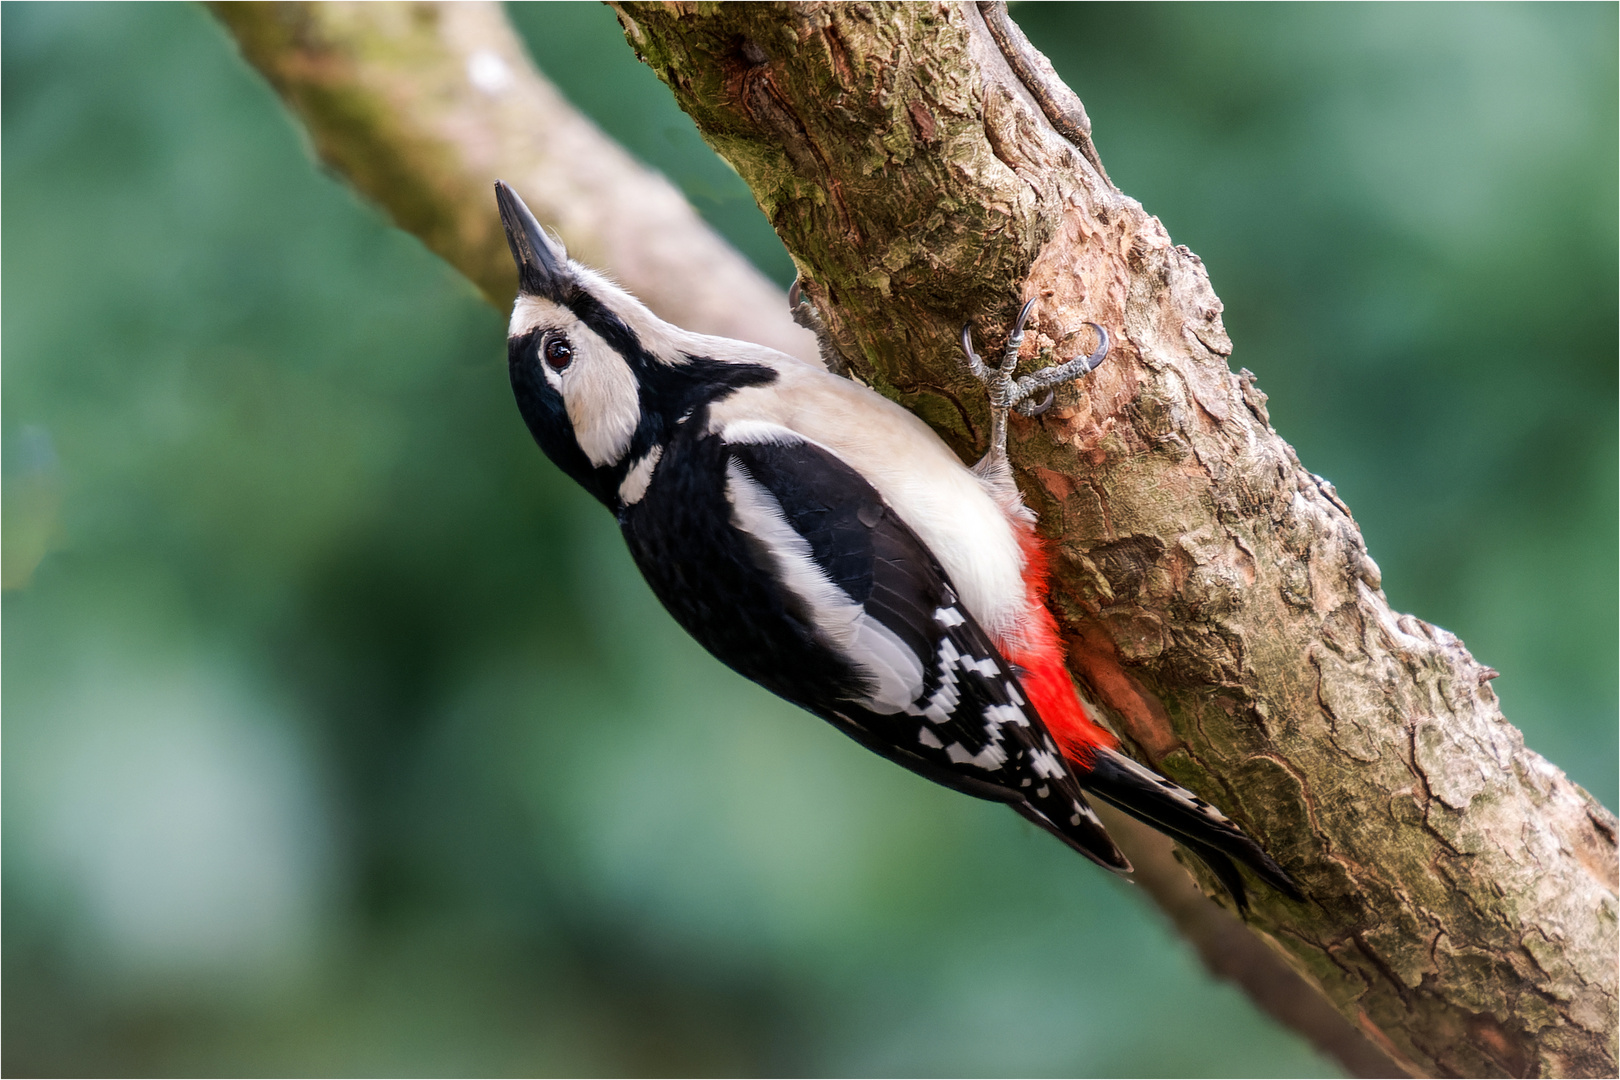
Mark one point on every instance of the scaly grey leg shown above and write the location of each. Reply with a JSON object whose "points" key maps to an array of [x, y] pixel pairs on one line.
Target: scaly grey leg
{"points": [[1007, 393]]}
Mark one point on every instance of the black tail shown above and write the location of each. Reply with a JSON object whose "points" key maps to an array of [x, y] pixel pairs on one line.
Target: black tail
{"points": [[1177, 812], [1081, 831]]}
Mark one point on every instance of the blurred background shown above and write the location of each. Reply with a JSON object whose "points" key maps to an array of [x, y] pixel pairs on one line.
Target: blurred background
{"points": [[341, 736]]}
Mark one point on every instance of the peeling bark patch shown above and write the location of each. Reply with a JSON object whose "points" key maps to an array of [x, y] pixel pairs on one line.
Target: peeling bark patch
{"points": [[1001, 118], [1143, 715], [1137, 635], [1058, 485], [1508, 1054], [922, 121], [1126, 562], [1254, 397], [1351, 706], [1209, 387], [1594, 846]]}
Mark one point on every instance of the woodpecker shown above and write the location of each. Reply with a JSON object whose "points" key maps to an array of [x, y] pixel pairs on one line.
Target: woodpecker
{"points": [[822, 541]]}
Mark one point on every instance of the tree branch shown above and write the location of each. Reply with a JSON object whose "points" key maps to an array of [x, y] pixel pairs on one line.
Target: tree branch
{"points": [[423, 106], [925, 166], [1218, 599], [1230, 952]]}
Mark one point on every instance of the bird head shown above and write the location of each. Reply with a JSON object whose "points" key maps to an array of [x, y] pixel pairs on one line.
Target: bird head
{"points": [[601, 381], [578, 348]]}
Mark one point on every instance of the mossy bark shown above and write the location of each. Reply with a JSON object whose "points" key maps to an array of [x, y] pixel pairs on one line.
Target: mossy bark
{"points": [[1219, 603]]}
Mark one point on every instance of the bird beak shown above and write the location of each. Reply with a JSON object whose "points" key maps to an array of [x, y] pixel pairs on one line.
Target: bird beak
{"points": [[541, 262]]}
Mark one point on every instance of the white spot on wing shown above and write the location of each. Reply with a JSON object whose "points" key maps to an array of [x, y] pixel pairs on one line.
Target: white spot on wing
{"points": [[929, 739], [948, 617], [640, 475], [1046, 765], [1005, 714], [985, 667], [991, 757], [942, 702]]}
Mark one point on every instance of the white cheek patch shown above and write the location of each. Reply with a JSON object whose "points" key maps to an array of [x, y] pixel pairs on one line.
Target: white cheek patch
{"points": [[553, 379], [893, 673], [598, 388], [599, 391]]}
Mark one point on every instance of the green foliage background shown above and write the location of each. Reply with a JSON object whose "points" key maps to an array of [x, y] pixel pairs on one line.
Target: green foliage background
{"points": [[342, 738]]}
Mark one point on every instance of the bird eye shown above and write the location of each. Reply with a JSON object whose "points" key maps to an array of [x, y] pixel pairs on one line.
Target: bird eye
{"points": [[559, 354]]}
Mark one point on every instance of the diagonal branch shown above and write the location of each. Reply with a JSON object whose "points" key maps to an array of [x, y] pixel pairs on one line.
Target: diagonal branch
{"points": [[1218, 599], [422, 106], [322, 56], [925, 166]]}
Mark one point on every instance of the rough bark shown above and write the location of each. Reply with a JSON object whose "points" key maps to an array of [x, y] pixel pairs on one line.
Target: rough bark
{"points": [[1217, 597], [1229, 951], [373, 87]]}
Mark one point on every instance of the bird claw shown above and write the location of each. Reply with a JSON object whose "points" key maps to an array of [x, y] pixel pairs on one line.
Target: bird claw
{"points": [[805, 314], [1027, 409], [1007, 393]]}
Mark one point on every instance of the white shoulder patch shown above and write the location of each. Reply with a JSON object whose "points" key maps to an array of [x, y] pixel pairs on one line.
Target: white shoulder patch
{"points": [[759, 433], [597, 387], [893, 671], [969, 532]]}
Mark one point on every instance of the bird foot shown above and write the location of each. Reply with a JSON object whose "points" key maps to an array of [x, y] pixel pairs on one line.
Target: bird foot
{"points": [[1008, 391], [805, 314]]}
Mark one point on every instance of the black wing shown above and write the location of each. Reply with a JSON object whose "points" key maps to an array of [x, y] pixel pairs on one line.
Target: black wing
{"points": [[964, 721]]}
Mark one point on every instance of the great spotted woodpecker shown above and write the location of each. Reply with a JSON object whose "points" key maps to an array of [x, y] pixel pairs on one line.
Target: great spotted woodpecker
{"points": [[822, 541]]}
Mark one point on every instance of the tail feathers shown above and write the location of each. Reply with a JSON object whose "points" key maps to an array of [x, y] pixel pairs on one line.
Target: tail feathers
{"points": [[1172, 809], [1083, 832], [1225, 871]]}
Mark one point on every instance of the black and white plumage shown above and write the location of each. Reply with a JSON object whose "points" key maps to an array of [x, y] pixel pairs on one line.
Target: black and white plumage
{"points": [[823, 542]]}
